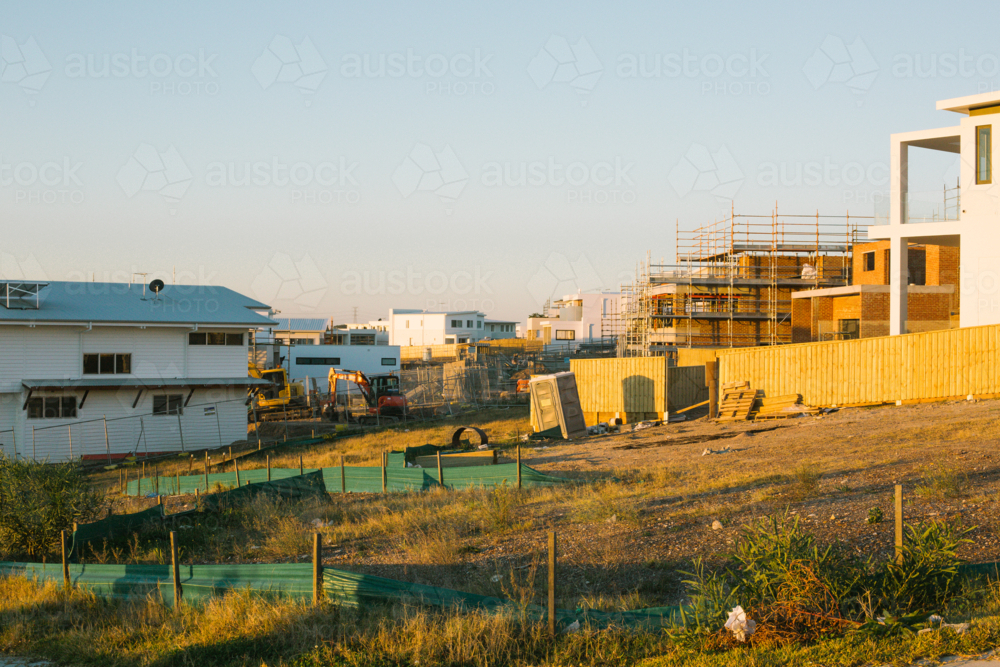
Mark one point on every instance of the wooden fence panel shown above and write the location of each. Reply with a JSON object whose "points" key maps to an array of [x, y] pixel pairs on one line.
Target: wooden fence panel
{"points": [[951, 363]]}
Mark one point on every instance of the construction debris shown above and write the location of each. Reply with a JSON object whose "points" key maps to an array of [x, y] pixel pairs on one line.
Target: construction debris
{"points": [[738, 400]]}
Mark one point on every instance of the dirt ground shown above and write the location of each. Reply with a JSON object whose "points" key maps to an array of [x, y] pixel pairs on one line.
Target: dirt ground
{"points": [[829, 470]]}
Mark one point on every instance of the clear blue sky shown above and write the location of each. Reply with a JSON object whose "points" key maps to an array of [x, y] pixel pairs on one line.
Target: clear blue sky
{"points": [[391, 138]]}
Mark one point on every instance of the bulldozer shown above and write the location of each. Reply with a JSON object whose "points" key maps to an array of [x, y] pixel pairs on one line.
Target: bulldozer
{"points": [[383, 401], [279, 400]]}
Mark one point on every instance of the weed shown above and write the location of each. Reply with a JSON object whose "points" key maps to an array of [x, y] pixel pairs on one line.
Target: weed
{"points": [[942, 483], [875, 515]]}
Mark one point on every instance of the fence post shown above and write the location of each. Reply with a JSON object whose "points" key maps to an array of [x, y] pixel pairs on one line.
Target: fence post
{"points": [[33, 457], [178, 483], [711, 379], [552, 583], [301, 469], [180, 430], [236, 467], [190, 464], [343, 476], [268, 457], [208, 460], [899, 522], [125, 488], [217, 425], [383, 472], [317, 568], [65, 562], [156, 480], [69, 427], [175, 571], [256, 424], [518, 465], [107, 440], [440, 470], [120, 487]]}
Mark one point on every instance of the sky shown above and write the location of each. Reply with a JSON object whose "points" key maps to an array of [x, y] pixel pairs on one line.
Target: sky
{"points": [[340, 159]]}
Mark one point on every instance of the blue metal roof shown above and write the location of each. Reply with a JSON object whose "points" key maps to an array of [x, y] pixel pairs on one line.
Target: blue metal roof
{"points": [[300, 324], [121, 303]]}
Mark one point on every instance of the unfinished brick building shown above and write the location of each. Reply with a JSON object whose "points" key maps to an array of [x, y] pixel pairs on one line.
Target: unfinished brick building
{"points": [[733, 282], [861, 309]]}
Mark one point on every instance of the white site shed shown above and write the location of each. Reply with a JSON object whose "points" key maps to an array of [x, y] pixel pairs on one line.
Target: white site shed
{"points": [[99, 370]]}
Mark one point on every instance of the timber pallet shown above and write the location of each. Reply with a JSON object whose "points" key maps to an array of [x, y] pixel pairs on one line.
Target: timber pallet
{"points": [[737, 403]]}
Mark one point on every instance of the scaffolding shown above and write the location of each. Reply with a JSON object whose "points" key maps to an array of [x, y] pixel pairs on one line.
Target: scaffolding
{"points": [[732, 281]]}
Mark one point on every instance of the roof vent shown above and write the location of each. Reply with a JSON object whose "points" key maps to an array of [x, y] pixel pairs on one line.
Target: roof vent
{"points": [[20, 295]]}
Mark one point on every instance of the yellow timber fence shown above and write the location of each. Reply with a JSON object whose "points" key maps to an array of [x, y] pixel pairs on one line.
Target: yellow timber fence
{"points": [[934, 365]]}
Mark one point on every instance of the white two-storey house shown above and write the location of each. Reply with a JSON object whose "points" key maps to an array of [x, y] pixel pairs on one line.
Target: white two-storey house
{"points": [[108, 369]]}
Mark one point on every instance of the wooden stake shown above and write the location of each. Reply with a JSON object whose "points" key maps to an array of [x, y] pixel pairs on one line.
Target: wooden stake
{"points": [[317, 568], [178, 481], [519, 465], [712, 380], [175, 570], [268, 457], [383, 472], [207, 460], [65, 562], [899, 522], [120, 481], [552, 583], [440, 470], [191, 464], [301, 469], [236, 467], [343, 476]]}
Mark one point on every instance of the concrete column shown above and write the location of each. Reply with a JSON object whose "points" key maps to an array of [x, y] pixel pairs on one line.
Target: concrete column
{"points": [[898, 186], [898, 280]]}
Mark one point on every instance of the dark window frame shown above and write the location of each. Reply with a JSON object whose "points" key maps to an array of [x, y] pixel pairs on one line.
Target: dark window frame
{"points": [[868, 261], [170, 405], [981, 178], [391, 361], [571, 335], [107, 363], [64, 407]]}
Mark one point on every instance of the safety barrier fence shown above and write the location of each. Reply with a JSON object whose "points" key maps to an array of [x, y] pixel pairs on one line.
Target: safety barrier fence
{"points": [[354, 479]]}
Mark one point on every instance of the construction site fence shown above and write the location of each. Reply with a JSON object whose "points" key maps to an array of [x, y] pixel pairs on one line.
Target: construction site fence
{"points": [[934, 365], [194, 427], [395, 477]]}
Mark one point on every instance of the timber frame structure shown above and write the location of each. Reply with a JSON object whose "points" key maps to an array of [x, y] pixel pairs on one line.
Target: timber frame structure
{"points": [[732, 282]]}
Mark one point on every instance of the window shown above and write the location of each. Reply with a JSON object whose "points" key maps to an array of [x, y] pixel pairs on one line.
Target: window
{"points": [[219, 338], [493, 327], [107, 364], [52, 407], [984, 154], [170, 404], [463, 340], [388, 361], [456, 324], [362, 339], [479, 324], [407, 324], [317, 361], [563, 334], [869, 261], [468, 324]]}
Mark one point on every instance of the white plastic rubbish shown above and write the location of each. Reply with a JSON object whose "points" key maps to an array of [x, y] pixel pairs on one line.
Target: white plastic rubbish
{"points": [[739, 624]]}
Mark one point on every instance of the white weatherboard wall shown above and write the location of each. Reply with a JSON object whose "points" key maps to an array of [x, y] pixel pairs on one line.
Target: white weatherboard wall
{"points": [[56, 352]]}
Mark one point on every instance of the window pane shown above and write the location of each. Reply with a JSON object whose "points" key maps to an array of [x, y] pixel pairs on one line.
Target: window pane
{"points": [[216, 338], [159, 405], [984, 150], [175, 404], [91, 363], [123, 363], [234, 339], [196, 338], [69, 406], [388, 361], [51, 407], [107, 364], [35, 407]]}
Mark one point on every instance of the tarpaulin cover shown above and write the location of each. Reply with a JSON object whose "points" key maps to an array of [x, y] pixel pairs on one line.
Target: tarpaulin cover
{"points": [[309, 485], [360, 479], [116, 525]]}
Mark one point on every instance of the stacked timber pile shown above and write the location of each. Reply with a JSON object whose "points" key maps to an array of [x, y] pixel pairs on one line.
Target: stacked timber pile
{"points": [[738, 400], [783, 407]]}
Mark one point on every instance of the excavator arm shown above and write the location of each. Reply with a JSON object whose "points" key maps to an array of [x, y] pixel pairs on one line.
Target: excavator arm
{"points": [[355, 377]]}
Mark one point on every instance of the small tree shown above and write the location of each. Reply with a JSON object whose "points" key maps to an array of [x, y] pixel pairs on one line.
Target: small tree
{"points": [[37, 500]]}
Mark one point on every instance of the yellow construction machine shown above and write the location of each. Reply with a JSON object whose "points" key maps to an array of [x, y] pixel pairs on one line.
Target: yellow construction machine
{"points": [[279, 400]]}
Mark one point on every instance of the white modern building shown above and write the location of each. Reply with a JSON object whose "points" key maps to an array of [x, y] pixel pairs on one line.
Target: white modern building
{"points": [[106, 369], [423, 327], [576, 318], [316, 361], [372, 333], [299, 330], [965, 214]]}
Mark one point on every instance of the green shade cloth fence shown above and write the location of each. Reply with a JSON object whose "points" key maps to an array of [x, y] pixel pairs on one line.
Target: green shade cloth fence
{"points": [[294, 581], [358, 479]]}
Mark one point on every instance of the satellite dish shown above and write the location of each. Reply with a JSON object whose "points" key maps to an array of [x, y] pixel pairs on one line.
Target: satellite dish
{"points": [[156, 286]]}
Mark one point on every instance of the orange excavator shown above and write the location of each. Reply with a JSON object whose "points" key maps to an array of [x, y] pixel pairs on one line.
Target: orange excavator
{"points": [[381, 393]]}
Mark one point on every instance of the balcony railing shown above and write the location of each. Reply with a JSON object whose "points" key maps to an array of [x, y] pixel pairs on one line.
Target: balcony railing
{"points": [[943, 205]]}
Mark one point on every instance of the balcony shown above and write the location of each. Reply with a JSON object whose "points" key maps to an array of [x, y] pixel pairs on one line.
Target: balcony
{"points": [[944, 205]]}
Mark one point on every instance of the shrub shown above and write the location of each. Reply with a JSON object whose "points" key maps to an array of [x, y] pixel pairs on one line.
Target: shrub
{"points": [[37, 500]]}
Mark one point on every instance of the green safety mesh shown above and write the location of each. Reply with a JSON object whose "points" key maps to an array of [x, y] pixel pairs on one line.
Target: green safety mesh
{"points": [[358, 479], [113, 526], [298, 487]]}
